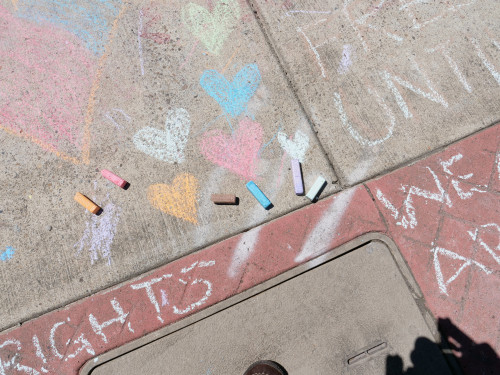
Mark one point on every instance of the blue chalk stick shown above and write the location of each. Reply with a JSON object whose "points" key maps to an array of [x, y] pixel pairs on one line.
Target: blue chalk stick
{"points": [[258, 194]]}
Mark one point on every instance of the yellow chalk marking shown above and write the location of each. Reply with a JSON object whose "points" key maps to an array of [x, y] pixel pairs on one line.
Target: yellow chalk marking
{"points": [[87, 203], [42, 144], [178, 199], [89, 116], [230, 59]]}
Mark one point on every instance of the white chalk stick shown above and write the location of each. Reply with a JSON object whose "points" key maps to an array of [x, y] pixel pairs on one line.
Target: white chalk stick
{"points": [[315, 189]]}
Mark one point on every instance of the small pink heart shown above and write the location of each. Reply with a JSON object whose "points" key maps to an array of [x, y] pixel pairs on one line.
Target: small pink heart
{"points": [[237, 152]]}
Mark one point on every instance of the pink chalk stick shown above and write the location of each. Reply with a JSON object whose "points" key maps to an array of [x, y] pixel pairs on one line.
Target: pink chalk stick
{"points": [[298, 183], [114, 178]]}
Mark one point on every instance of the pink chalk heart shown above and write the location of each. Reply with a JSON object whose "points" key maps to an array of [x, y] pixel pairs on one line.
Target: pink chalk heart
{"points": [[237, 152], [46, 76]]}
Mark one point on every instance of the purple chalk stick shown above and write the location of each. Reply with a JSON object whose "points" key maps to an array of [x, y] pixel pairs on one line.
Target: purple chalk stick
{"points": [[297, 177]]}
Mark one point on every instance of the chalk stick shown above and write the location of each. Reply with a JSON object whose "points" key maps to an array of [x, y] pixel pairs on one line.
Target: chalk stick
{"points": [[223, 198], [87, 203], [114, 178], [315, 189], [298, 184], [258, 194]]}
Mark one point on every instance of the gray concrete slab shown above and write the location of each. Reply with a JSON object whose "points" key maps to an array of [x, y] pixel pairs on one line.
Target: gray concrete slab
{"points": [[351, 315], [179, 101], [387, 81]]}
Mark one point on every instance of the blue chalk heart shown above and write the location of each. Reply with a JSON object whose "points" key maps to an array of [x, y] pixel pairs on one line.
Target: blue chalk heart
{"points": [[232, 96]]}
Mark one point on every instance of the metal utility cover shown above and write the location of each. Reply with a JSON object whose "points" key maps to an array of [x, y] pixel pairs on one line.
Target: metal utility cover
{"points": [[345, 316]]}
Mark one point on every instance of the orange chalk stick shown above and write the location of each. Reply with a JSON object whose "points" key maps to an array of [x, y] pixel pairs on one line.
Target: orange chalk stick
{"points": [[87, 203]]}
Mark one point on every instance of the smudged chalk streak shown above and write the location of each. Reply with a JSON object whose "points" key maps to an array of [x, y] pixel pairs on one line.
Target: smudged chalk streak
{"points": [[99, 234]]}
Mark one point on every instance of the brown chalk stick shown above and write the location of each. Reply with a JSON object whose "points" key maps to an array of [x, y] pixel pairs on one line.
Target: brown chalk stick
{"points": [[223, 198]]}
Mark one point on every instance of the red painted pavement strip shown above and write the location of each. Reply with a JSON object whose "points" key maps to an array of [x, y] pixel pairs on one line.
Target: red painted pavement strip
{"points": [[60, 342], [443, 213], [427, 207]]}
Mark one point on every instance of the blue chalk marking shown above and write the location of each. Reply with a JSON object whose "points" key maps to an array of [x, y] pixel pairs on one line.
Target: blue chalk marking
{"points": [[229, 122], [272, 139], [259, 195], [232, 96], [89, 20], [7, 254], [208, 124]]}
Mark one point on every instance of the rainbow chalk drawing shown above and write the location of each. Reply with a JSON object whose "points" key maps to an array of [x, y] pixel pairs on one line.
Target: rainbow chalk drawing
{"points": [[7, 254], [99, 233], [89, 20], [179, 199], [45, 81], [232, 96], [297, 147], [237, 152], [168, 144], [212, 29], [50, 76]]}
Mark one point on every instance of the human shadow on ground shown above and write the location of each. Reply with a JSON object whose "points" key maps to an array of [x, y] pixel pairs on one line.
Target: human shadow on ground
{"points": [[473, 358]]}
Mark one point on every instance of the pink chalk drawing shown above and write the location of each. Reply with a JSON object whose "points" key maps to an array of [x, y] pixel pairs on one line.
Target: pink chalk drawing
{"points": [[45, 83], [237, 153]]}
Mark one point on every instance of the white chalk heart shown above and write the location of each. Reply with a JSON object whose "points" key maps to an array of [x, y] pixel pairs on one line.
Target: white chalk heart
{"points": [[167, 145], [297, 147]]}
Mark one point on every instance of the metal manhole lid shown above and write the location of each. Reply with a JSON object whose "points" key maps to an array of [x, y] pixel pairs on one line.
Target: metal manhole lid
{"points": [[351, 315]]}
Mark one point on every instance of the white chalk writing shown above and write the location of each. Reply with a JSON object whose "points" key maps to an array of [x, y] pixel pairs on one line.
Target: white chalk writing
{"points": [[148, 286], [13, 362], [443, 285], [354, 133], [314, 48], [80, 340], [410, 220], [432, 95], [149, 291], [99, 327]]}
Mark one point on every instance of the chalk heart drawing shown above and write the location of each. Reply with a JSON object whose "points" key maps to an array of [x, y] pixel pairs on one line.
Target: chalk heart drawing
{"points": [[212, 29], [46, 77], [238, 152], [232, 96], [297, 147], [167, 144], [178, 199]]}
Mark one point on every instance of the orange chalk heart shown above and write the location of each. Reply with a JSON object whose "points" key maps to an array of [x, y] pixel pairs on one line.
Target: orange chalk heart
{"points": [[178, 199]]}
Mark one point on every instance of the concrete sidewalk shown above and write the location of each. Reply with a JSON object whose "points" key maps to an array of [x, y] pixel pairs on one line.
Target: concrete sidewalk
{"points": [[184, 100], [450, 248]]}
